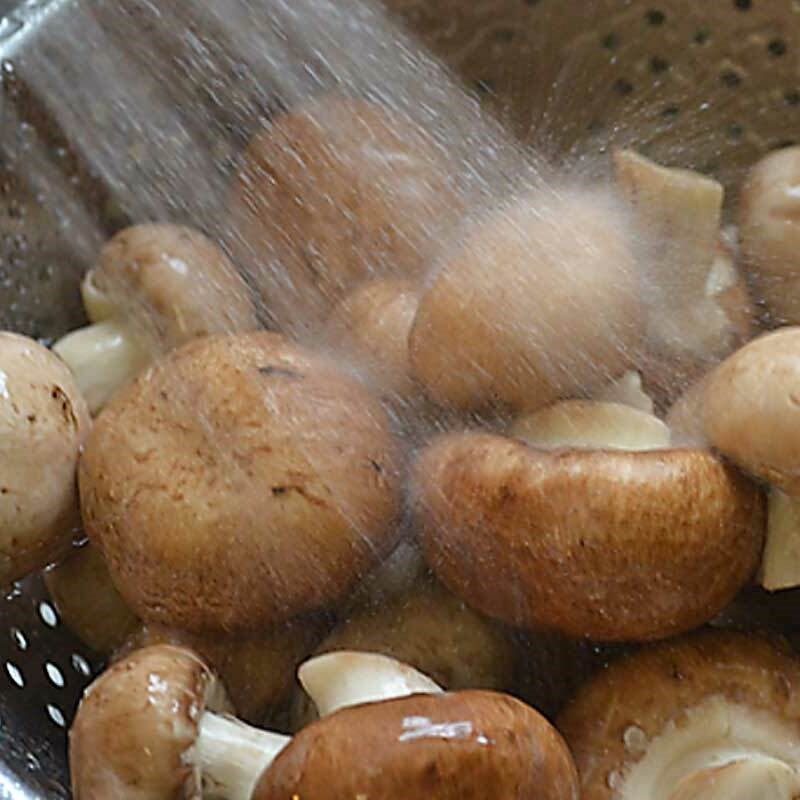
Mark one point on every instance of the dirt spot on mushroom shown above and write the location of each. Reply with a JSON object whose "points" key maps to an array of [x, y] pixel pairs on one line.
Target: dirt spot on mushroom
{"points": [[60, 396]]}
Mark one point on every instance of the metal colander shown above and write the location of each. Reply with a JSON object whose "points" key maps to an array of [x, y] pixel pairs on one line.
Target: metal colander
{"points": [[710, 85]]}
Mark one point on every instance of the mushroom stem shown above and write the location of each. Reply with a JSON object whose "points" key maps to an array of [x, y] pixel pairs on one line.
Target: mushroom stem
{"points": [[231, 756], [102, 357], [347, 678], [722, 747], [752, 778]]}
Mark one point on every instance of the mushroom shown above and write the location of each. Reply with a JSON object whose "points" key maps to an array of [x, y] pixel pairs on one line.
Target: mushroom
{"points": [[333, 193], [88, 602], [239, 482], [608, 543], [751, 408], [432, 630], [698, 307], [539, 301], [685, 417], [257, 670], [372, 325], [155, 286], [438, 746], [44, 422], [768, 210], [713, 716], [154, 725]]}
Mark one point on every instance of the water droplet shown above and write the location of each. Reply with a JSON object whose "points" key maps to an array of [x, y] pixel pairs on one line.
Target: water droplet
{"points": [[614, 779], [635, 740]]}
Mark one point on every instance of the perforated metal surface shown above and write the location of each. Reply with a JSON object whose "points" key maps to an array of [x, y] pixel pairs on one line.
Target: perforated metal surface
{"points": [[710, 85]]}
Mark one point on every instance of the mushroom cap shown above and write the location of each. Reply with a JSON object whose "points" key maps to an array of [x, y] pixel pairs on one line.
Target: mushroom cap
{"points": [[173, 283], [43, 422], [372, 324], [612, 720], [470, 744], [136, 722], [88, 602], [612, 545], [239, 482], [257, 671], [333, 193], [768, 209], [751, 408], [432, 630], [540, 300]]}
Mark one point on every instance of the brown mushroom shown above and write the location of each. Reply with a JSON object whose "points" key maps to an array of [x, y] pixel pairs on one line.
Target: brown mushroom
{"points": [[257, 671], [441, 747], [606, 543], [768, 212], [372, 325], [154, 726], [539, 301], [333, 193], [44, 421], [88, 602], [713, 716], [432, 630], [751, 408], [155, 286], [239, 482]]}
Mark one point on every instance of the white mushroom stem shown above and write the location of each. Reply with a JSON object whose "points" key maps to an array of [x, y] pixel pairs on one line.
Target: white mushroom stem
{"points": [[231, 756], [780, 566], [627, 391], [102, 357], [594, 425], [720, 751], [754, 778], [98, 305], [347, 678]]}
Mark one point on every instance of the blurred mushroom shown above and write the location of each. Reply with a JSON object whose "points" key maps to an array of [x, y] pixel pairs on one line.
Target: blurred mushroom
{"points": [[751, 408], [768, 212], [607, 543], [153, 726], [713, 716], [432, 630], [539, 301], [239, 482], [155, 287], [685, 417], [88, 602], [698, 308], [332, 194], [372, 325], [257, 670], [44, 422], [440, 747]]}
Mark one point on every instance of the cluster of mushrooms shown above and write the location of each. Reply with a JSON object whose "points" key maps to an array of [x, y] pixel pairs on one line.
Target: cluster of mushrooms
{"points": [[351, 500]]}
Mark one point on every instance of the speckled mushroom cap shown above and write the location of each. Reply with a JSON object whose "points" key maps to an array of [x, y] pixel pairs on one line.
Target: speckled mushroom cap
{"points": [[445, 747], [171, 282], [613, 545], [135, 724], [240, 481], [335, 192], [655, 693], [43, 422]]}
